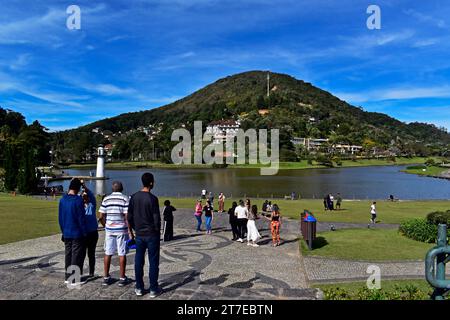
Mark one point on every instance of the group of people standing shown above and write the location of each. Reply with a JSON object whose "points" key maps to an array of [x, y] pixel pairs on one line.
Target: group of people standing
{"points": [[134, 220], [328, 202], [242, 219]]}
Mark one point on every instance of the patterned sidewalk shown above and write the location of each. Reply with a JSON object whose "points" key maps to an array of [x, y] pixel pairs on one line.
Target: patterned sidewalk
{"points": [[193, 266]]}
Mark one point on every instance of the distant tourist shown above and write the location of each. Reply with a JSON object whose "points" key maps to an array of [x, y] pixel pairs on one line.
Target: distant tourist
{"points": [[221, 202], [145, 219], [241, 212], [168, 221], [269, 207], [203, 194], [264, 206], [209, 215], [325, 202], [211, 199], [72, 221], [373, 213], [331, 202], [275, 225], [233, 221], [90, 207], [338, 201], [252, 231], [114, 214], [198, 214], [293, 195]]}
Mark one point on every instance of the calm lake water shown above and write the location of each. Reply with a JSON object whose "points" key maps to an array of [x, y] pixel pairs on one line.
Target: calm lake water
{"points": [[353, 183]]}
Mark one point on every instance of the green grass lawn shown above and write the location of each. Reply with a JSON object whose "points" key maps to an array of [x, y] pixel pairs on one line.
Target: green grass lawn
{"points": [[352, 211], [26, 218], [429, 171], [412, 289], [367, 244], [303, 164]]}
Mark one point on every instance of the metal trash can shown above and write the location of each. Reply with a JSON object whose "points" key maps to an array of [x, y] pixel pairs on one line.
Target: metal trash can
{"points": [[308, 225]]}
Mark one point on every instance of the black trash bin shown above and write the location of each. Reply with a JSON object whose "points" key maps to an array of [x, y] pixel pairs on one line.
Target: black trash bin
{"points": [[308, 225]]}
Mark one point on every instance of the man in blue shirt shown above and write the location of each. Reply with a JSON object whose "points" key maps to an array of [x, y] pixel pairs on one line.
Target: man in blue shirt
{"points": [[72, 221]]}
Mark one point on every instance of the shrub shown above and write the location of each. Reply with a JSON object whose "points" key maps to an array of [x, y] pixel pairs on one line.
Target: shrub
{"points": [[430, 162], [419, 230], [438, 217], [406, 292]]}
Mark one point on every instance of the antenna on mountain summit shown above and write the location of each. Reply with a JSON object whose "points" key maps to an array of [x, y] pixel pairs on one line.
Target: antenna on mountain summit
{"points": [[268, 83]]}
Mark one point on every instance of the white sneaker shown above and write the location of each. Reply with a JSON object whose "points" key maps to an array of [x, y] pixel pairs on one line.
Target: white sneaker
{"points": [[138, 292], [249, 244], [255, 245], [240, 240]]}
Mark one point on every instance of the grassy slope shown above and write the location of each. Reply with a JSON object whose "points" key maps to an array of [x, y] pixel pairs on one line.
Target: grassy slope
{"points": [[367, 244], [429, 171]]}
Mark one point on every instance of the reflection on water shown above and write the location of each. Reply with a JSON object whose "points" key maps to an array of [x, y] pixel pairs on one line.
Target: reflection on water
{"points": [[358, 183]]}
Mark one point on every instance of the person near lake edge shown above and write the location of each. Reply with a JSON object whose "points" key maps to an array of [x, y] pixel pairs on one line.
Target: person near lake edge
{"points": [[338, 201], [325, 202], [168, 211], [209, 216], [264, 206], [90, 207], [241, 213], [211, 199], [252, 231], [198, 214], [331, 203], [233, 221], [221, 202], [72, 222], [373, 213], [114, 214], [145, 219]]}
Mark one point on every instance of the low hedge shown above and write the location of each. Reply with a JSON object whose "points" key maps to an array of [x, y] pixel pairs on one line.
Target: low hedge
{"points": [[438, 217], [419, 230], [408, 292]]}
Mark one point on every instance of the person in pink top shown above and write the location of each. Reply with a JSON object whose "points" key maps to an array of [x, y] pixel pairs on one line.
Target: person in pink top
{"points": [[198, 214]]}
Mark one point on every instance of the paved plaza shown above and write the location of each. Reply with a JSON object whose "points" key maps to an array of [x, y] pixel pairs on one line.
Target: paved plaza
{"points": [[194, 266]]}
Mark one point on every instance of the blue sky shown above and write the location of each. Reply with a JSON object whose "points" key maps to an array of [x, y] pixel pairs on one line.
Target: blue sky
{"points": [[141, 54]]}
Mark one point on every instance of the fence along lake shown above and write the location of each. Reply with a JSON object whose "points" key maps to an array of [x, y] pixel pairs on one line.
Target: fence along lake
{"points": [[377, 182]]}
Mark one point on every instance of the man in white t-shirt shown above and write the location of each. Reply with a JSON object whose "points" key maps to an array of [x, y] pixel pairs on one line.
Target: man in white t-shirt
{"points": [[241, 213], [373, 212], [114, 210]]}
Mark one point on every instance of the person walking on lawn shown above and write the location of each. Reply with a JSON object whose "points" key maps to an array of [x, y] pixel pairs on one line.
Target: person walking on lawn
{"points": [[145, 219], [72, 222], [113, 211], [373, 213]]}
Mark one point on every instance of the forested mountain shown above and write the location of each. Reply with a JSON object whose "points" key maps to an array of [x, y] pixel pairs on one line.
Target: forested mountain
{"points": [[295, 107]]}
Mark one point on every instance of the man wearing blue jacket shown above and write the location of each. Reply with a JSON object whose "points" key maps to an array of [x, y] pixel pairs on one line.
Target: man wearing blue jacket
{"points": [[72, 221]]}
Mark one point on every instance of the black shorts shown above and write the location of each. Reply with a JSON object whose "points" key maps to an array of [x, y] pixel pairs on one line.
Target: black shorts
{"points": [[374, 216]]}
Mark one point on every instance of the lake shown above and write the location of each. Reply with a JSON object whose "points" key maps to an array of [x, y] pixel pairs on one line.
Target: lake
{"points": [[376, 182]]}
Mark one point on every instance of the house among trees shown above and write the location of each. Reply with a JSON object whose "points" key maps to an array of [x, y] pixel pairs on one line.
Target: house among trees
{"points": [[223, 130]]}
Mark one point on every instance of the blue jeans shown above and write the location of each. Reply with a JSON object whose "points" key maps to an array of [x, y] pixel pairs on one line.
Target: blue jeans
{"points": [[152, 244], [199, 222], [208, 221]]}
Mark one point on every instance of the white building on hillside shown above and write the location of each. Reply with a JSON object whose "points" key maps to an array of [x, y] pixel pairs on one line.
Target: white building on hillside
{"points": [[223, 130]]}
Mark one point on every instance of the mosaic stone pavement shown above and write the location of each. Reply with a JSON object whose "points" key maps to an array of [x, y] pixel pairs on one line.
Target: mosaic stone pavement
{"points": [[193, 266]]}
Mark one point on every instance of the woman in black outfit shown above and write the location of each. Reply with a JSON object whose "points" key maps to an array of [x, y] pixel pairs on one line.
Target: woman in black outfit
{"points": [[233, 221], [168, 220]]}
